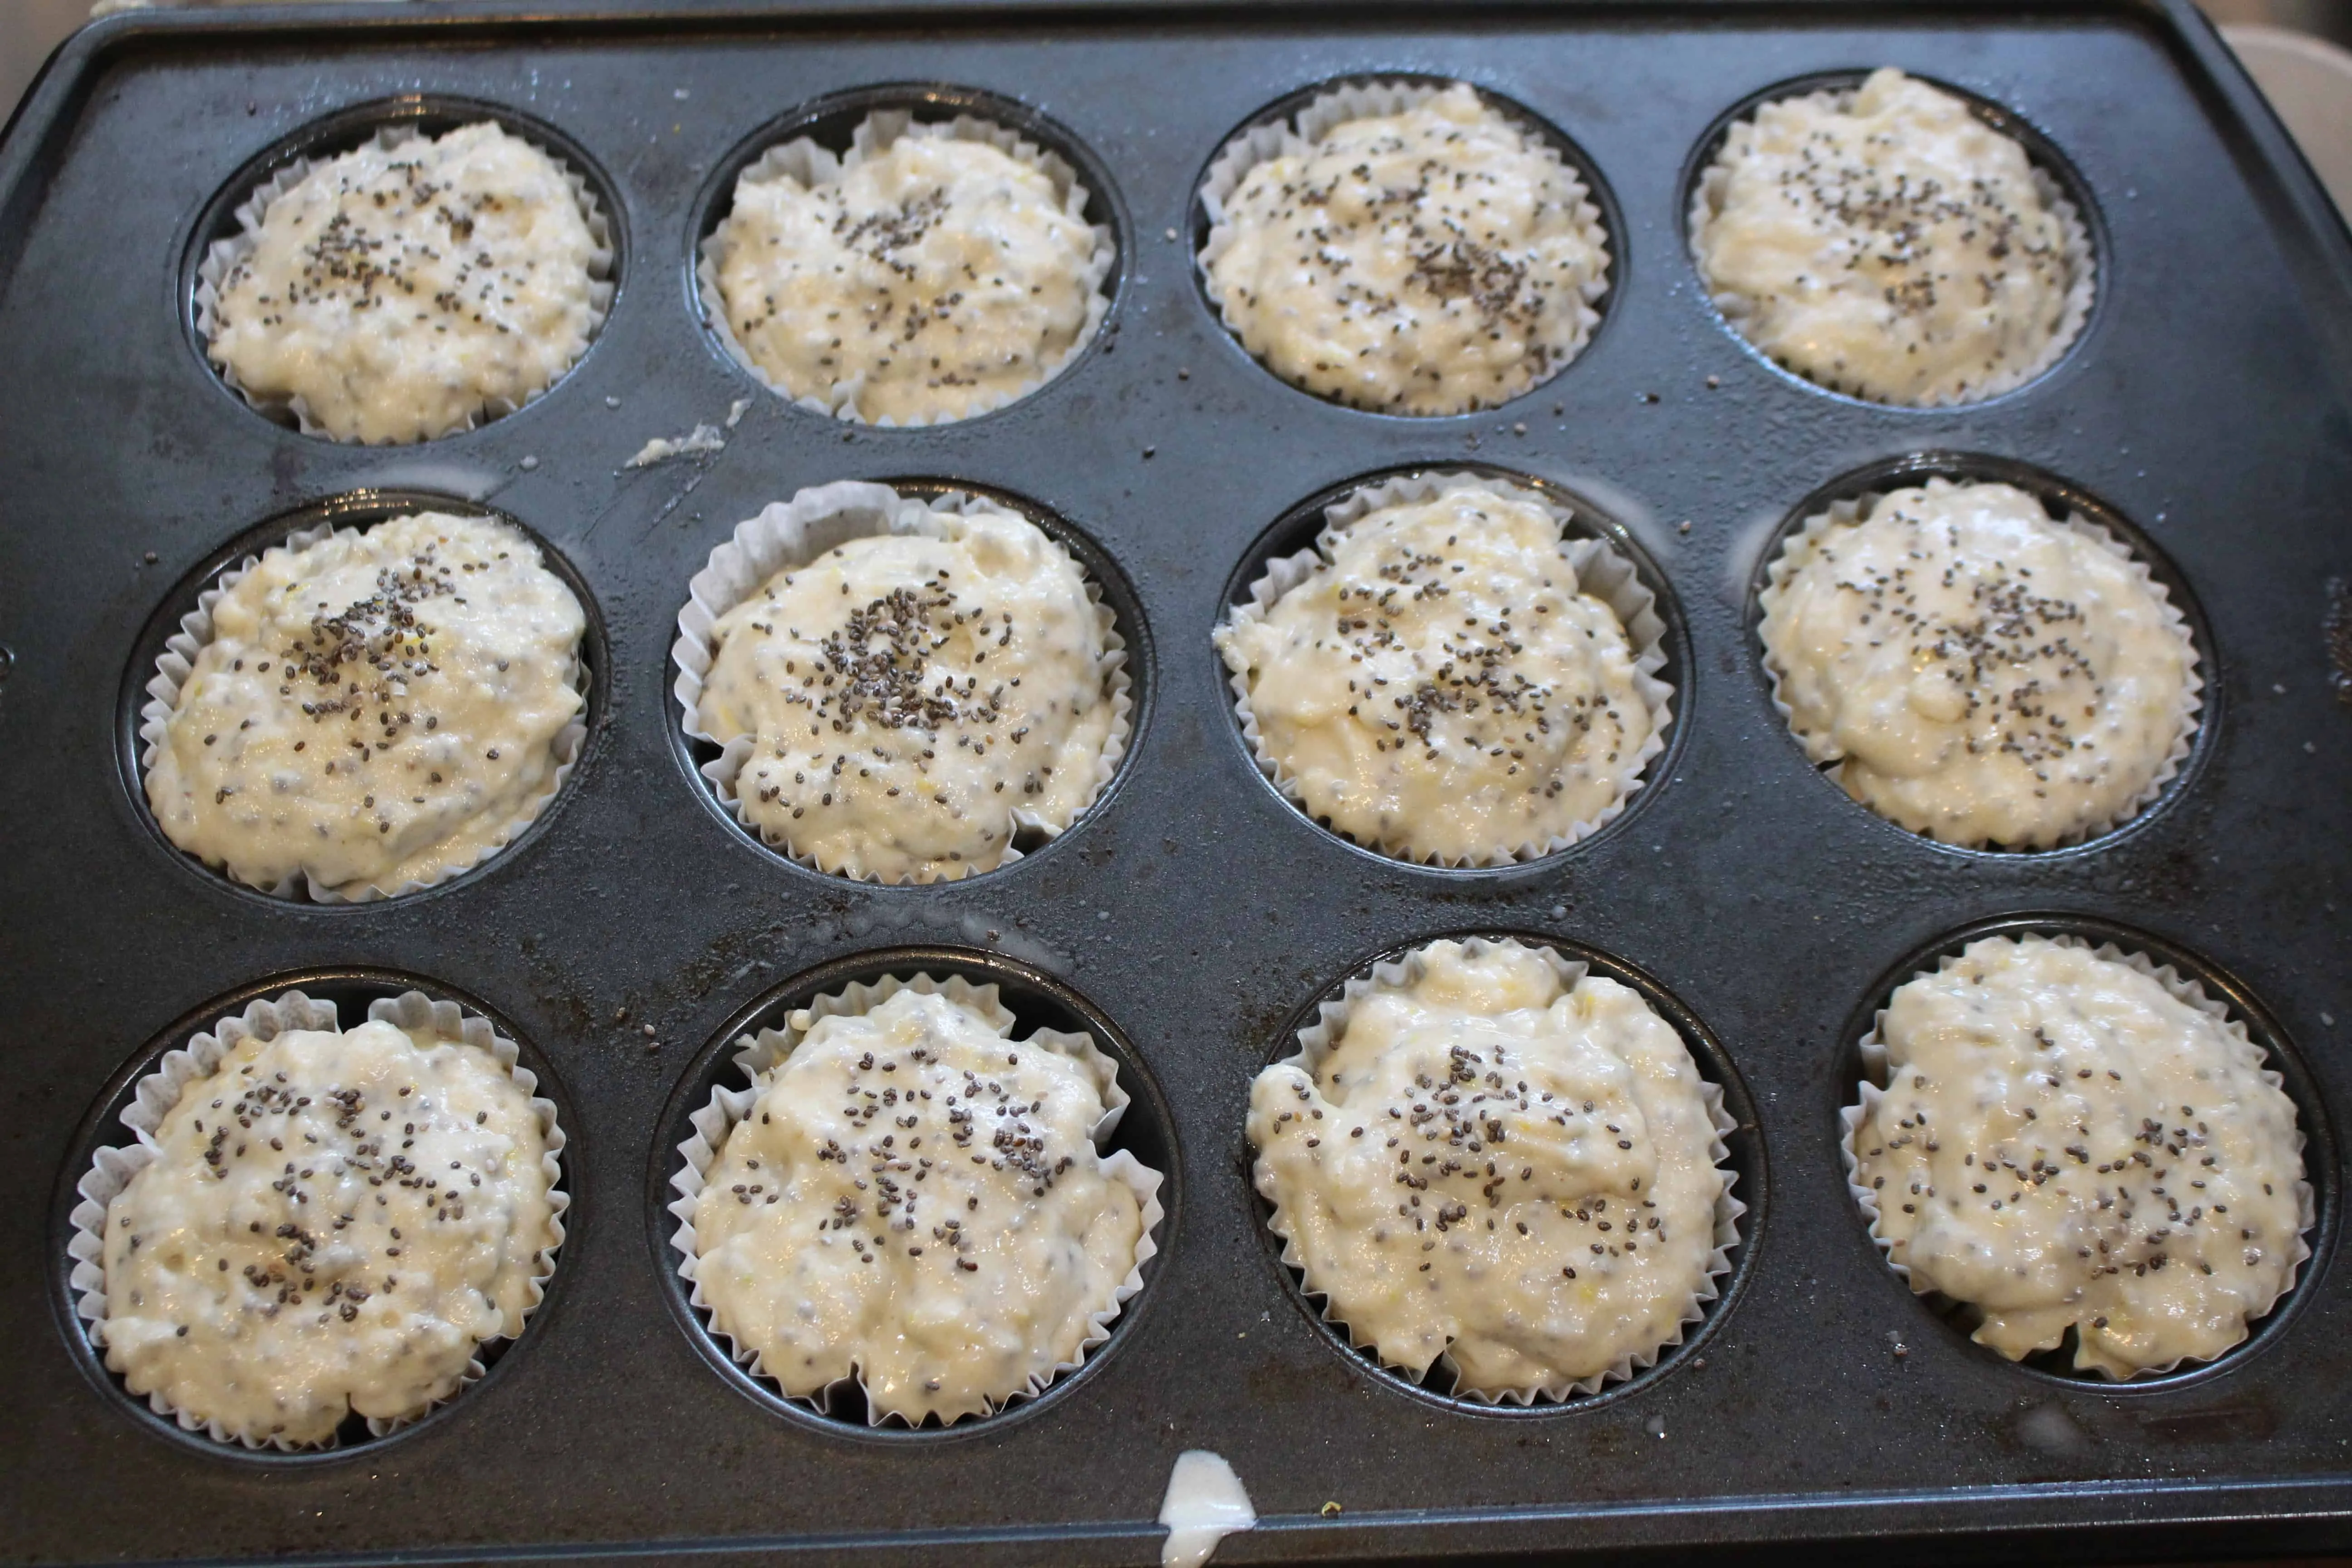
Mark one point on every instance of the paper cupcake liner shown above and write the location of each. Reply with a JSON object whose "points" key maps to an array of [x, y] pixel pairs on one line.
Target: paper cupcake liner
{"points": [[2082, 289], [1316, 1042], [803, 161], [787, 535], [160, 1090], [178, 661], [758, 1055], [1599, 572], [1364, 100], [1875, 1064], [223, 254], [1822, 752]]}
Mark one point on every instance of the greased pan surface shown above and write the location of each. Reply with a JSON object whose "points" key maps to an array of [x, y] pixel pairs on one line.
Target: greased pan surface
{"points": [[1192, 909]]}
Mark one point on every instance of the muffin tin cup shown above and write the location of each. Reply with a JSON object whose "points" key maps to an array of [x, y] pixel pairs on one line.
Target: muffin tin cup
{"points": [[808, 164], [223, 254], [1708, 196], [1316, 1042], [1600, 572], [1875, 1062], [1366, 100], [757, 1055], [1797, 548], [159, 1091], [787, 535], [178, 662]]}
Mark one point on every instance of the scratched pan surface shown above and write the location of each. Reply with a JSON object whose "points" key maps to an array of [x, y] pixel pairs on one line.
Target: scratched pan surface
{"points": [[1194, 913]]}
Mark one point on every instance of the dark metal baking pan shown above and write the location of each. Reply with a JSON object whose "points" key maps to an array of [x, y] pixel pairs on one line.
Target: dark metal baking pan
{"points": [[1198, 914]]}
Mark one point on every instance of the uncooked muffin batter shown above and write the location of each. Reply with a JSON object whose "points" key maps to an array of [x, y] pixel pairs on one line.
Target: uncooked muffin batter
{"points": [[333, 1223], [373, 709], [917, 1199], [929, 282], [1890, 244], [1440, 687], [1986, 675], [2064, 1143], [1491, 1167], [1430, 261], [397, 293], [907, 694]]}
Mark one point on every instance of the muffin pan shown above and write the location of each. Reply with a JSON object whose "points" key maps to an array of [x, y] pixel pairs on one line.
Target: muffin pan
{"points": [[1191, 913]]}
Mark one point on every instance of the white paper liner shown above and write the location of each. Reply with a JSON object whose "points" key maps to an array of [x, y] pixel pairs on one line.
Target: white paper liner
{"points": [[1364, 100], [161, 1090], [1317, 1040], [178, 661], [1600, 572], [787, 535], [758, 1056], [223, 254], [2082, 289], [1822, 752], [1875, 1065], [808, 165]]}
